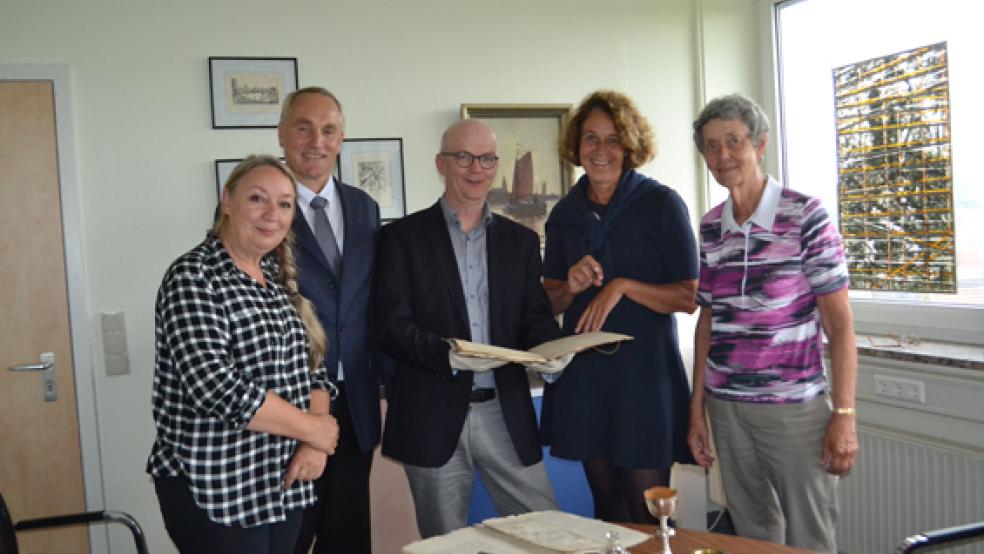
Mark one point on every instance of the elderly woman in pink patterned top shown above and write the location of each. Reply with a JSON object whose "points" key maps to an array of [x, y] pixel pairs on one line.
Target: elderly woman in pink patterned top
{"points": [[772, 279]]}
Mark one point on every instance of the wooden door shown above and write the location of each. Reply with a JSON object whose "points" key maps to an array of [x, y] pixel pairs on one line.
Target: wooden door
{"points": [[40, 457]]}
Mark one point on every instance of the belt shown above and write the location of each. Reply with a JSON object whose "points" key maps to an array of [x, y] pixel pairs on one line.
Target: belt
{"points": [[482, 395]]}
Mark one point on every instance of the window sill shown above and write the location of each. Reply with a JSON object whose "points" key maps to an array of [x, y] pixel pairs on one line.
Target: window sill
{"points": [[924, 351]]}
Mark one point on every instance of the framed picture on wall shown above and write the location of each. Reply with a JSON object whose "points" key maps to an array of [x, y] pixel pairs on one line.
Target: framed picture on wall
{"points": [[532, 177], [247, 92], [222, 170], [376, 166]]}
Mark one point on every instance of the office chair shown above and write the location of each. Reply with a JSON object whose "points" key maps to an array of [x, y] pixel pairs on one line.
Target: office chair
{"points": [[8, 529], [971, 532]]}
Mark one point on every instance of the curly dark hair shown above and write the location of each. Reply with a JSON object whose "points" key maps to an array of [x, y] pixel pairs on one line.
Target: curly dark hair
{"points": [[634, 131]]}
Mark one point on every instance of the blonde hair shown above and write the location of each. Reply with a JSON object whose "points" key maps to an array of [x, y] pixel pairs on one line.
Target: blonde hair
{"points": [[317, 340], [634, 131]]}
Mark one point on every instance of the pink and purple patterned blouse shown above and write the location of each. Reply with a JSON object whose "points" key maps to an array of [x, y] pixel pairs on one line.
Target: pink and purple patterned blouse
{"points": [[761, 280]]}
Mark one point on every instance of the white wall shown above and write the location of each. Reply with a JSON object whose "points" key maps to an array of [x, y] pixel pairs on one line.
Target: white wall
{"points": [[145, 143]]}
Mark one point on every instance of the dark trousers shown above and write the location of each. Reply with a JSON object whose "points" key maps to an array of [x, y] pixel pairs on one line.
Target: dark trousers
{"points": [[194, 533], [340, 519]]}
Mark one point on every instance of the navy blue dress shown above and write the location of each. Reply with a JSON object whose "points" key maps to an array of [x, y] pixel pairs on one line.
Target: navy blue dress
{"points": [[629, 407]]}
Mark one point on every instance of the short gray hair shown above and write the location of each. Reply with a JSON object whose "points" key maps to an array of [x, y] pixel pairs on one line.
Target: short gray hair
{"points": [[733, 106], [289, 101]]}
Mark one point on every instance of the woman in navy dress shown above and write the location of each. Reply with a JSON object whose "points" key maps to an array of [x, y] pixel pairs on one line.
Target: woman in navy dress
{"points": [[620, 257]]}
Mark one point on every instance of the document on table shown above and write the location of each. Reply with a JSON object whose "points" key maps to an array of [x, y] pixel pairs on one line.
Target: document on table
{"points": [[473, 540], [546, 532]]}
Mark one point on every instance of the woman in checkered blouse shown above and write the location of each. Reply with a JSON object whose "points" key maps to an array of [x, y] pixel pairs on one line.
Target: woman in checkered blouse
{"points": [[240, 397]]}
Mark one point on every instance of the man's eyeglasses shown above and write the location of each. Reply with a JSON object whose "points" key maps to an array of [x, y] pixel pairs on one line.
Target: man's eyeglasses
{"points": [[466, 159]]}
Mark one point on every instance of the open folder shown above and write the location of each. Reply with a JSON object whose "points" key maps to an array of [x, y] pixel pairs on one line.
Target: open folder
{"points": [[541, 353], [546, 532]]}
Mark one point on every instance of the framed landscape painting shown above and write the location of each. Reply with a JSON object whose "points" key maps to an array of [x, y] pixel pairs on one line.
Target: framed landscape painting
{"points": [[532, 177]]}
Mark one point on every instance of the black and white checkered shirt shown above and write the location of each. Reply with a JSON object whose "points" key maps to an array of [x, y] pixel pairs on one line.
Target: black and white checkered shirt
{"points": [[222, 342]]}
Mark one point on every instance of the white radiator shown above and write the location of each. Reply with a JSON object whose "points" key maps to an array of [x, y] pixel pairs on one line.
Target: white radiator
{"points": [[901, 486]]}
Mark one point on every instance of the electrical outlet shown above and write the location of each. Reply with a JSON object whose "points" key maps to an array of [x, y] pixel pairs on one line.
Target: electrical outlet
{"points": [[898, 388]]}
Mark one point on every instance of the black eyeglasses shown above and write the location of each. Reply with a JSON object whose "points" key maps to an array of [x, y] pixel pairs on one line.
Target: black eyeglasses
{"points": [[466, 159]]}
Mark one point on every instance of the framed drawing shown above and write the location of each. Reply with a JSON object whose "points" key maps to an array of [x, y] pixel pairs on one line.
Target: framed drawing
{"points": [[225, 166], [532, 177], [376, 166], [248, 92], [222, 170]]}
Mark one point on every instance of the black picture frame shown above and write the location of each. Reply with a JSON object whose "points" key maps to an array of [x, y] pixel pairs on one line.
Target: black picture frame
{"points": [[224, 166], [375, 165], [247, 93]]}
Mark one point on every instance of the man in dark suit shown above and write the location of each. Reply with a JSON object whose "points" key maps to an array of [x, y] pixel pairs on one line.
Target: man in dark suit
{"points": [[335, 230], [455, 270]]}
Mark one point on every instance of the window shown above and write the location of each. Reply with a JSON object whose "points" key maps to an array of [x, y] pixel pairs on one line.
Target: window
{"points": [[895, 193], [814, 39]]}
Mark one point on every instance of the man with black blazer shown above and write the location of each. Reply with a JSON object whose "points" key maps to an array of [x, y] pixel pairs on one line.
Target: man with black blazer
{"points": [[335, 231], [456, 270]]}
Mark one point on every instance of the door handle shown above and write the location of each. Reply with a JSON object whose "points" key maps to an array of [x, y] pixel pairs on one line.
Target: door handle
{"points": [[31, 367], [47, 367]]}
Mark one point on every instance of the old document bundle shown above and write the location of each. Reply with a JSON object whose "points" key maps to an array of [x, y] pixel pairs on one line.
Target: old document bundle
{"points": [[546, 532], [541, 353]]}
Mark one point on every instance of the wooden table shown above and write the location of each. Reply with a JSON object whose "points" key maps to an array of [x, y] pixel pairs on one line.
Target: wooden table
{"points": [[686, 541]]}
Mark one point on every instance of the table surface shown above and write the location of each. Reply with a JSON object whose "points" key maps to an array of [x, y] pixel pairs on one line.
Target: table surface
{"points": [[687, 540]]}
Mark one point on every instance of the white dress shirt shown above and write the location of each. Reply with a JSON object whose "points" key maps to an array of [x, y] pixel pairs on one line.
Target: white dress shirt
{"points": [[334, 209]]}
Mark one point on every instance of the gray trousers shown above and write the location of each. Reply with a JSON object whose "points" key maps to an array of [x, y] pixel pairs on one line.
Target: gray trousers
{"points": [[441, 495], [777, 489]]}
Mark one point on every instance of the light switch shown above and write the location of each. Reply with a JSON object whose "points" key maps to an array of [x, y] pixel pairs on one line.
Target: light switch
{"points": [[114, 343]]}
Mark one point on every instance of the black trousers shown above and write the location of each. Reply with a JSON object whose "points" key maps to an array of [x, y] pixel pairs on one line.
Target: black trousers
{"points": [[194, 533], [340, 520]]}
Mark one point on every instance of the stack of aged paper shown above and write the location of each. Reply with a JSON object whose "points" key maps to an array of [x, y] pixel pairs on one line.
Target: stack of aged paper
{"points": [[541, 353], [547, 532]]}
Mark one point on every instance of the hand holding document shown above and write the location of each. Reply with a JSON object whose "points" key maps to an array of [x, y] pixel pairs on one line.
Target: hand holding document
{"points": [[470, 363], [541, 354], [555, 365]]}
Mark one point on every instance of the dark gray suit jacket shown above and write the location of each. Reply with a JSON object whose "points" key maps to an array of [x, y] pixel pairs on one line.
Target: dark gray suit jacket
{"points": [[419, 302], [344, 305]]}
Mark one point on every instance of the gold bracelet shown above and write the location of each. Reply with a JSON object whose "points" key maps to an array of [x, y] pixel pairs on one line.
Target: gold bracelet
{"points": [[844, 411]]}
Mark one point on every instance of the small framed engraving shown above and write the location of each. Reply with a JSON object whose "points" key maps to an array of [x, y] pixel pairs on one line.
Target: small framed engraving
{"points": [[247, 92], [376, 166]]}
